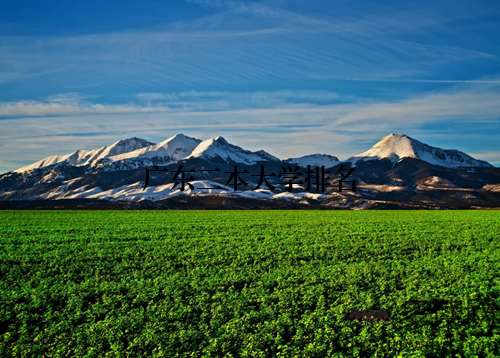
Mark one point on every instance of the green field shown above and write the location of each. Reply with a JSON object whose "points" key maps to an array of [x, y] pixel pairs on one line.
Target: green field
{"points": [[249, 283]]}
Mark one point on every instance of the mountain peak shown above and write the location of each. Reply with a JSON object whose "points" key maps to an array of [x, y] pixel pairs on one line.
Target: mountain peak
{"points": [[131, 139], [127, 145], [124, 146], [89, 157], [179, 136], [171, 149], [396, 135], [218, 147], [396, 146], [315, 160], [179, 139], [221, 140]]}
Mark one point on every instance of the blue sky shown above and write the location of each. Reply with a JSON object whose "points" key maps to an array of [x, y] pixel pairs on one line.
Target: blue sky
{"points": [[292, 77]]}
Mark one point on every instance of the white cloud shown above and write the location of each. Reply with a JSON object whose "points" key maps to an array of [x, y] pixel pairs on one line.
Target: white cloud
{"points": [[59, 108], [478, 101], [248, 43], [473, 102], [16, 75], [285, 129], [260, 98], [489, 156]]}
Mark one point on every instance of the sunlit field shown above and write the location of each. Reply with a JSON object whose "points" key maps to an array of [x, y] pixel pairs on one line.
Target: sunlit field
{"points": [[249, 283]]}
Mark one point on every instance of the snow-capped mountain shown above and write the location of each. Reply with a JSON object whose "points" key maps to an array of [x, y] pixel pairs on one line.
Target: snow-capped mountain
{"points": [[314, 160], [169, 151], [219, 148], [89, 157], [177, 147], [415, 172], [396, 146]]}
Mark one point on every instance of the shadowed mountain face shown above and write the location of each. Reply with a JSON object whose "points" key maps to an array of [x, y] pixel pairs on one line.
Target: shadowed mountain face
{"points": [[397, 172]]}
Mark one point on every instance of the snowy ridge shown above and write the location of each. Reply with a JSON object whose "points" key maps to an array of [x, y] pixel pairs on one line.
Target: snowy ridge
{"points": [[115, 173], [314, 160], [220, 148], [112, 172], [135, 192], [135, 153], [89, 157], [177, 147], [167, 152], [396, 146]]}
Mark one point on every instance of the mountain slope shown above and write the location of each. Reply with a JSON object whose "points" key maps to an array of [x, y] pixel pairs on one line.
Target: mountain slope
{"points": [[177, 147], [220, 148], [169, 151], [397, 172], [396, 146], [314, 160], [89, 157]]}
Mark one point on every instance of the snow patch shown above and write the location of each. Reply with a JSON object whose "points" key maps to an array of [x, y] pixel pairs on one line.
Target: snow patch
{"points": [[314, 160]]}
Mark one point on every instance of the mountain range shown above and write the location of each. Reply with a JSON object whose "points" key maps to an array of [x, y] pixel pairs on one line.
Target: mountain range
{"points": [[397, 172]]}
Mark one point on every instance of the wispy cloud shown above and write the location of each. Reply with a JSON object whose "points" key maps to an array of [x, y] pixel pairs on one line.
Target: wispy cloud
{"points": [[6, 77], [56, 108], [293, 123], [492, 157], [473, 102], [242, 99], [369, 69], [463, 102], [264, 10], [247, 43], [402, 80], [72, 104]]}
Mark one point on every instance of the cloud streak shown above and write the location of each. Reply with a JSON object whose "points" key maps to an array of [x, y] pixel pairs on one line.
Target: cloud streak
{"points": [[368, 69], [246, 43], [274, 121], [40, 109], [478, 100], [464, 103], [490, 156]]}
